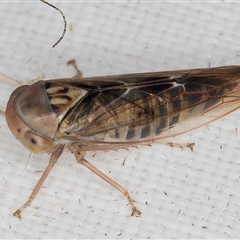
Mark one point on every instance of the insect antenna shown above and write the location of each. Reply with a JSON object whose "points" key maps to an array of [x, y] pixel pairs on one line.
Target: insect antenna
{"points": [[64, 20]]}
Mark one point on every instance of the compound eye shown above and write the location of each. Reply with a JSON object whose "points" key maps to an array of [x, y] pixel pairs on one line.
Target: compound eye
{"points": [[36, 144]]}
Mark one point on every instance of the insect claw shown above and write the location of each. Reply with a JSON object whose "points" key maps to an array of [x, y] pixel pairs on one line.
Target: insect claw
{"points": [[191, 145], [136, 213], [17, 214]]}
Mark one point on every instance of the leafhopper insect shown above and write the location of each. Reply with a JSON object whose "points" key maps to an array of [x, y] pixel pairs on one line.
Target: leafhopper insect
{"points": [[113, 112]]}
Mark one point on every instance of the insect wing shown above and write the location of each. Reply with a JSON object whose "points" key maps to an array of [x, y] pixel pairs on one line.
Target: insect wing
{"points": [[143, 107]]}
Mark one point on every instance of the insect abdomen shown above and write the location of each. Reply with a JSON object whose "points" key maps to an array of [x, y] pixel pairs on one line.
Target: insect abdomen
{"points": [[150, 116], [123, 113]]}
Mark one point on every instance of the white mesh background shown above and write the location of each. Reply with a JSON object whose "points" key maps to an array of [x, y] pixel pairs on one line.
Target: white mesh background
{"points": [[181, 194]]}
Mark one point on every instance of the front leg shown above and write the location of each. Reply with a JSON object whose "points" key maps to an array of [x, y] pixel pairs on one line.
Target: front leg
{"points": [[53, 159], [18, 82]]}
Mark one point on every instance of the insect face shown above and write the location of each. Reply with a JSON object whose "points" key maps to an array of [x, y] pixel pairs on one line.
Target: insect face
{"points": [[30, 118]]}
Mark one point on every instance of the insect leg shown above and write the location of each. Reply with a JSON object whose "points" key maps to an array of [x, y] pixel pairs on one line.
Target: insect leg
{"points": [[80, 159], [74, 64], [2, 113], [181, 145], [175, 144], [53, 159], [17, 82]]}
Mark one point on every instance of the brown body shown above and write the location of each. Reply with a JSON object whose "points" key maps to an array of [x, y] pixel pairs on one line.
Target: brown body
{"points": [[122, 109], [103, 113]]}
